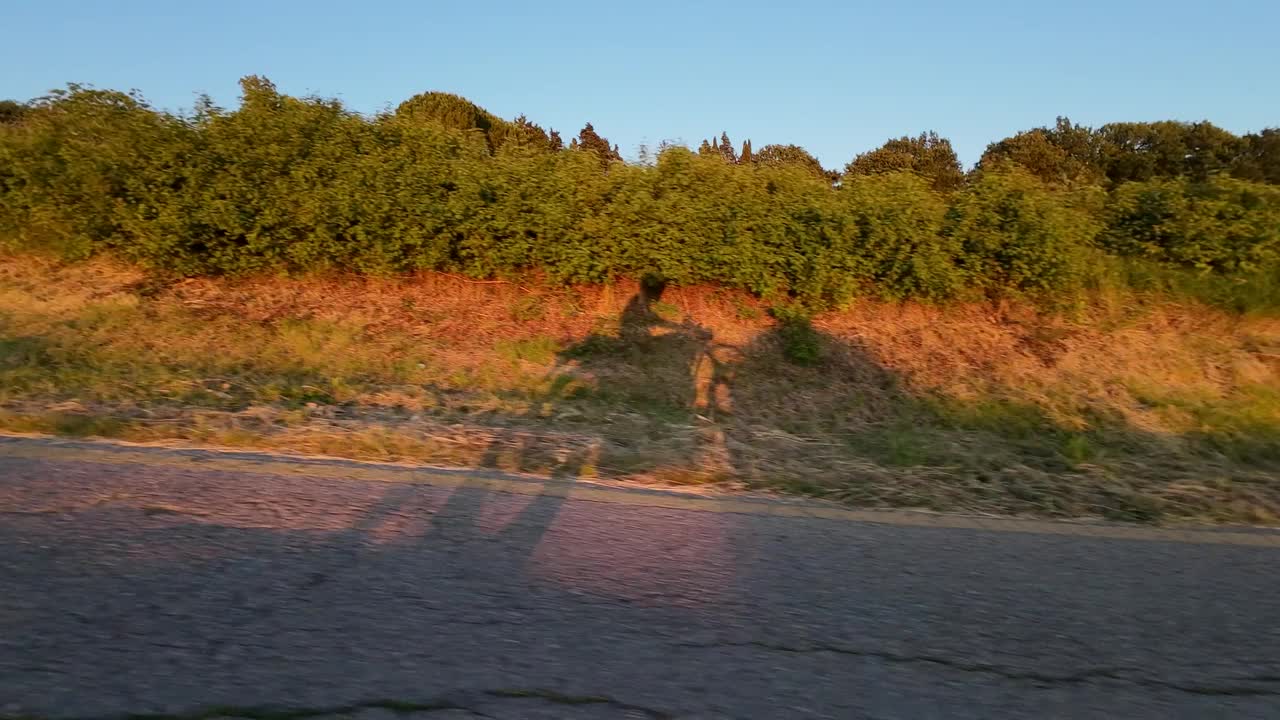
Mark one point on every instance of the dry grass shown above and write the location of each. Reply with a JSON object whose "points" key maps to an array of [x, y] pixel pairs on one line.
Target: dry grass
{"points": [[1127, 407]]}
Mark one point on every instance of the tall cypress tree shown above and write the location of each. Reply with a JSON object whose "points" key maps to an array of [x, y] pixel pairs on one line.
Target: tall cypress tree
{"points": [[726, 148]]}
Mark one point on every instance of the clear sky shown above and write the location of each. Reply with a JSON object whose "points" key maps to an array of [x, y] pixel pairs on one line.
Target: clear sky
{"points": [[836, 77]]}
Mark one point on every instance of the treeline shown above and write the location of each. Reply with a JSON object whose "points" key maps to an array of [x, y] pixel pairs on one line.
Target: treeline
{"points": [[300, 184]]}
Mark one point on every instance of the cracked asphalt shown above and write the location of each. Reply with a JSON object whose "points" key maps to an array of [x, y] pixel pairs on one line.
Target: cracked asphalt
{"points": [[167, 583]]}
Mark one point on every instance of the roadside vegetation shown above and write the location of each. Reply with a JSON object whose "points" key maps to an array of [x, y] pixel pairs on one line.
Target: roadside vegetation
{"points": [[1085, 325], [1130, 407]]}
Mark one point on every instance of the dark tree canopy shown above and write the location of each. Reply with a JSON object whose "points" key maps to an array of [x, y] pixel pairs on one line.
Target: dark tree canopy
{"points": [[726, 149], [1142, 151], [1129, 152], [524, 134], [927, 154], [1259, 158], [1065, 153], [1209, 150], [722, 148], [458, 113], [792, 155], [589, 140], [11, 111], [449, 110]]}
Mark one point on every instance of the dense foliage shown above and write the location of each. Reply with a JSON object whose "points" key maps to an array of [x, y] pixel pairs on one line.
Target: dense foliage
{"points": [[927, 154], [296, 184], [1137, 152]]}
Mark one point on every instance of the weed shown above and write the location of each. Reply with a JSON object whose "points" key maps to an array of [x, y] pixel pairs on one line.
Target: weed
{"points": [[994, 415], [540, 350], [801, 343], [904, 448], [743, 310], [1077, 448], [596, 346], [666, 311], [528, 309]]}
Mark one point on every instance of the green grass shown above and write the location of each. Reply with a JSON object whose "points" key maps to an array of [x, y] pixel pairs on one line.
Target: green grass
{"points": [[528, 309], [540, 350], [1247, 293], [1243, 426]]}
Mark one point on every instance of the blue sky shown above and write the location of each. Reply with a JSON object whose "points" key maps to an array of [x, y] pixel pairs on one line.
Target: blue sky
{"points": [[836, 77]]}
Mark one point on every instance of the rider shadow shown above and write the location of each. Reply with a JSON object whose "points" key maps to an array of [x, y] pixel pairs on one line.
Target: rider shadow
{"points": [[664, 383], [646, 377], [595, 359], [646, 365], [791, 382]]}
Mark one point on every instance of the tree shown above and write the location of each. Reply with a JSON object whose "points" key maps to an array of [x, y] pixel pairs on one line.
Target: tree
{"points": [[1121, 152], [928, 154], [454, 112], [589, 140], [11, 112], [792, 155], [1133, 151], [524, 134], [1064, 154], [1210, 150], [706, 149], [1166, 149], [1033, 150], [746, 157], [726, 149], [458, 113], [1259, 158]]}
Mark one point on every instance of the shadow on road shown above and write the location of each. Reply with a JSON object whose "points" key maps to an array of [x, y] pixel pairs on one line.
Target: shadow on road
{"points": [[184, 591]]}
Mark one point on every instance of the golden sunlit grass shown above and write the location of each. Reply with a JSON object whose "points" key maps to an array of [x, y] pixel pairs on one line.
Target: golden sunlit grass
{"points": [[1125, 407]]}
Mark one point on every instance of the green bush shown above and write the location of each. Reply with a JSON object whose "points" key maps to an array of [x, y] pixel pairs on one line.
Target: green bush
{"points": [[895, 237], [1222, 225], [285, 184], [1016, 234], [1244, 293], [801, 343], [79, 168]]}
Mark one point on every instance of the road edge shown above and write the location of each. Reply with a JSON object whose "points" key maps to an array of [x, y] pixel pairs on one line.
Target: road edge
{"points": [[57, 449]]}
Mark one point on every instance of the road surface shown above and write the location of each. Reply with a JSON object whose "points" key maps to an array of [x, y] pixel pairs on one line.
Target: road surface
{"points": [[140, 582]]}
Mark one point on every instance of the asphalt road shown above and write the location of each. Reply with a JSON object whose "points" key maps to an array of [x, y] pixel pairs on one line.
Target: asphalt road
{"points": [[197, 584]]}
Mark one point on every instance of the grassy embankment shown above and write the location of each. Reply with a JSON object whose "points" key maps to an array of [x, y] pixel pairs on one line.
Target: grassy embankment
{"points": [[1131, 408]]}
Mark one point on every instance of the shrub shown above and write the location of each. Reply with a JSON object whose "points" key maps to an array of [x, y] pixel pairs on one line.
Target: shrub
{"points": [[79, 166], [894, 233], [1222, 225], [801, 343], [285, 184], [1016, 234]]}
